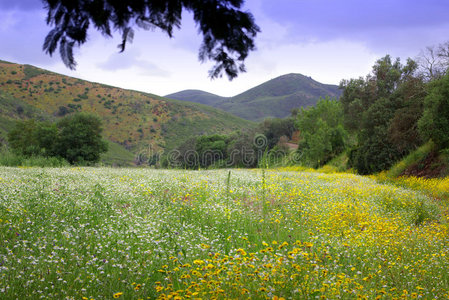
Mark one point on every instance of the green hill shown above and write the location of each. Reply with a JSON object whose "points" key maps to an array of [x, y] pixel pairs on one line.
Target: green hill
{"points": [[274, 98], [133, 121], [197, 96]]}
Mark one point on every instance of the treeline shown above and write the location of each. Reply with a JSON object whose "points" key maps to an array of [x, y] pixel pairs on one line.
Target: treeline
{"points": [[74, 139], [239, 149]]}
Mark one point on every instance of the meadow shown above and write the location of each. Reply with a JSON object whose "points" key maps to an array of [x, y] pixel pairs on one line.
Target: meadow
{"points": [[102, 233]]}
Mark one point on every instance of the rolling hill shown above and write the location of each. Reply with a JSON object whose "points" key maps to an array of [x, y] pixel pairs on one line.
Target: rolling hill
{"points": [[274, 98], [133, 122]]}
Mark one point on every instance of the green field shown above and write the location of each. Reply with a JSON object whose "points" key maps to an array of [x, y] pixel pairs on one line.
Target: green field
{"points": [[102, 233]]}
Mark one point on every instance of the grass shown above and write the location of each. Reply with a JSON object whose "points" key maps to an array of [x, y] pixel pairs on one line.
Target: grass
{"points": [[101, 233], [117, 156], [340, 162], [414, 157], [9, 159]]}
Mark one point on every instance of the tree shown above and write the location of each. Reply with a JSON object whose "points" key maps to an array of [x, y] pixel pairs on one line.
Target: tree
{"points": [[79, 139], [434, 123], [22, 138], [275, 128], [33, 138], [431, 67], [383, 110], [228, 33], [434, 61], [244, 149], [403, 130], [375, 152], [322, 133], [211, 149]]}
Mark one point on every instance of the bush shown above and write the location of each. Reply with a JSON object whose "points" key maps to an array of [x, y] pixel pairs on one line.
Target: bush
{"points": [[79, 139]]}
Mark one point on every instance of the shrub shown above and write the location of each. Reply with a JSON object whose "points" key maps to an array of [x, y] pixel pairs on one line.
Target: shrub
{"points": [[79, 139]]}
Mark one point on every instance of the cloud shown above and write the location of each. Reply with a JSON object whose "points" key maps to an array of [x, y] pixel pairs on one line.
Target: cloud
{"points": [[382, 25], [131, 59]]}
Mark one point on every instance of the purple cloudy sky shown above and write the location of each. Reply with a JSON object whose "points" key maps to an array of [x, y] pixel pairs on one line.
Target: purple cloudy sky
{"points": [[327, 39]]}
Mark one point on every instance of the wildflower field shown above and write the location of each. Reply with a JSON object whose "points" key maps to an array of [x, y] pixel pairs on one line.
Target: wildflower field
{"points": [[100, 233]]}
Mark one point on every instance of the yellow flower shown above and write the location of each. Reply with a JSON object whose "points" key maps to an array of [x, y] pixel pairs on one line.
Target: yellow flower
{"points": [[117, 295], [158, 289], [241, 251]]}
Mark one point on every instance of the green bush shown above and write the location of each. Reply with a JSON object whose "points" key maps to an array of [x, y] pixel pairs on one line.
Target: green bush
{"points": [[79, 139]]}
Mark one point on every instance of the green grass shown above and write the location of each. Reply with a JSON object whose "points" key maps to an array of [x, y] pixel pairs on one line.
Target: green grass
{"points": [[31, 72], [118, 156], [13, 160], [137, 233], [340, 163], [414, 157]]}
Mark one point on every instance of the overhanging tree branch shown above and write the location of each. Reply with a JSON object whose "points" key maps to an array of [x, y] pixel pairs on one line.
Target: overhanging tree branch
{"points": [[228, 33]]}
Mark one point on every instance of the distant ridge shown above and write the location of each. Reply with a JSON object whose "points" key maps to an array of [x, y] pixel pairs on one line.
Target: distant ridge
{"points": [[274, 98]]}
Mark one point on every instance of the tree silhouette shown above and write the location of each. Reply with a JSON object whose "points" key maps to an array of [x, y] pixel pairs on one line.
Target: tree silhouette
{"points": [[228, 32]]}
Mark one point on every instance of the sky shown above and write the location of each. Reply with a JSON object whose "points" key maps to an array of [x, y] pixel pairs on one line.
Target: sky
{"points": [[328, 40]]}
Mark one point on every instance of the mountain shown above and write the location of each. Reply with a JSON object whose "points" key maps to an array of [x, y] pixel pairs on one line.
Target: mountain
{"points": [[134, 122], [274, 98], [197, 96]]}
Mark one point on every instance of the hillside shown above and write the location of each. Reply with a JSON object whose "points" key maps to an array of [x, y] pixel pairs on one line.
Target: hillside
{"points": [[274, 98], [197, 96], [134, 121]]}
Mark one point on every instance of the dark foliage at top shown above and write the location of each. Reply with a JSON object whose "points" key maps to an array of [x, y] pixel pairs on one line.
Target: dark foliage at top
{"points": [[228, 33]]}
